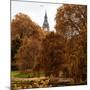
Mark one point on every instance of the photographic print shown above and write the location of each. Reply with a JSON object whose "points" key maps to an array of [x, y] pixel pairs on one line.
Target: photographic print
{"points": [[48, 44]]}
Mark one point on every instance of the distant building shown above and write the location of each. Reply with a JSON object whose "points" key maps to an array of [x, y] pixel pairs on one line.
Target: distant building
{"points": [[45, 23]]}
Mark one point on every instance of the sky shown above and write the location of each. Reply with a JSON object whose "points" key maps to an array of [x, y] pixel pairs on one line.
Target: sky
{"points": [[36, 11]]}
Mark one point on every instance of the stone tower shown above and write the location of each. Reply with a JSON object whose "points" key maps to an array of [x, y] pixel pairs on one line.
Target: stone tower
{"points": [[45, 23]]}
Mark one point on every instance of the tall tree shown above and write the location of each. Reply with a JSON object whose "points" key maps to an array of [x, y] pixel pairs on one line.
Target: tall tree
{"points": [[53, 53], [21, 27], [71, 21]]}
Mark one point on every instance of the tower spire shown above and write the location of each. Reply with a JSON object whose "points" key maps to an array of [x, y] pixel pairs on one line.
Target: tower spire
{"points": [[45, 23]]}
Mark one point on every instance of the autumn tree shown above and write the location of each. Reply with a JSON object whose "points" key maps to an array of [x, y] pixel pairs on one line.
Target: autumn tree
{"points": [[71, 19], [22, 26], [78, 58], [28, 54], [53, 53]]}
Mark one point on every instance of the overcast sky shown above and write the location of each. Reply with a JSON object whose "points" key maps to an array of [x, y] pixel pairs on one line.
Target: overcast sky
{"points": [[36, 11]]}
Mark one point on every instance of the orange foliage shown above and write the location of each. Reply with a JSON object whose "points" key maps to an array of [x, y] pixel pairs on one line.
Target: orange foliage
{"points": [[53, 53], [71, 19], [65, 50]]}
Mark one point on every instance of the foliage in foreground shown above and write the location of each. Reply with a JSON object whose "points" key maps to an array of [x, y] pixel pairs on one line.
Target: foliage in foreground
{"points": [[42, 83]]}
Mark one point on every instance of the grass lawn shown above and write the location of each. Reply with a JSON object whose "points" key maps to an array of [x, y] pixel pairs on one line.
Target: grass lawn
{"points": [[29, 75]]}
